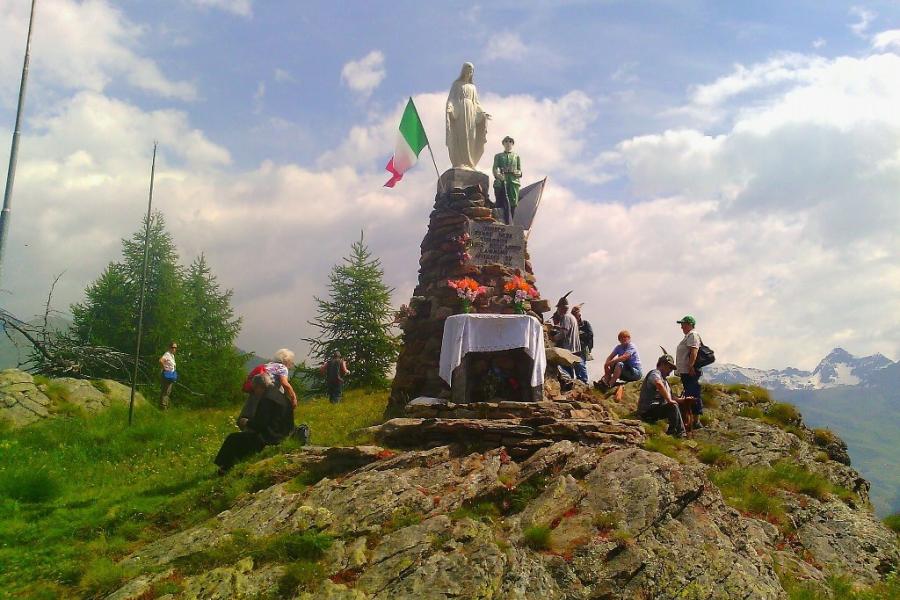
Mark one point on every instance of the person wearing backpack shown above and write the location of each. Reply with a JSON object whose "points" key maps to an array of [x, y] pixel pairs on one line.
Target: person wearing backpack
{"points": [[686, 362], [334, 370]]}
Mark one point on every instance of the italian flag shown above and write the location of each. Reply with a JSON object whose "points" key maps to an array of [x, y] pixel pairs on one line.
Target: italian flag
{"points": [[410, 142]]}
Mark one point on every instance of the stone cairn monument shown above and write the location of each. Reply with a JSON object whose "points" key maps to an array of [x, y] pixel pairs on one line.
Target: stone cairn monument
{"points": [[465, 238]]}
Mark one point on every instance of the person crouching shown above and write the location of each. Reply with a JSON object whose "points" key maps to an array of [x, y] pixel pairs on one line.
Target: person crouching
{"points": [[272, 421], [656, 401]]}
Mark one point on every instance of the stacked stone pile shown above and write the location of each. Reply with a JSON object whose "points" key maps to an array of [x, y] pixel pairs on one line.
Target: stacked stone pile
{"points": [[462, 199]]}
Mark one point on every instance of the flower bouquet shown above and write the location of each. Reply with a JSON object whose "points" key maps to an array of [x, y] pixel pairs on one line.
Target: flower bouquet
{"points": [[467, 289], [518, 291]]}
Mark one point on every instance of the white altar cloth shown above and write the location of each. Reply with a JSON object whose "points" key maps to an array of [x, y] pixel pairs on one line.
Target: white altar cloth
{"points": [[491, 333]]}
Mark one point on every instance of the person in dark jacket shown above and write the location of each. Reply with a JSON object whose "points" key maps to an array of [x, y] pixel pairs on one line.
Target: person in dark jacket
{"points": [[270, 423], [586, 335], [334, 369]]}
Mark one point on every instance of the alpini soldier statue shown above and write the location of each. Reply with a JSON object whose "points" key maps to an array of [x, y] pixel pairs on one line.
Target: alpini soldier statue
{"points": [[507, 173]]}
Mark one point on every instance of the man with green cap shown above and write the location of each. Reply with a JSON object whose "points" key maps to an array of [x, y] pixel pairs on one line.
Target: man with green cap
{"points": [[507, 173], [685, 359], [656, 401]]}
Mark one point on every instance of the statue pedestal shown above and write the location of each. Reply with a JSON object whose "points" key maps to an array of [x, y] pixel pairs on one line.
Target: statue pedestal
{"points": [[463, 178]]}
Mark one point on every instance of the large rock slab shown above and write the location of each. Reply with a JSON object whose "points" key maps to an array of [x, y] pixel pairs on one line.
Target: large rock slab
{"points": [[21, 402]]}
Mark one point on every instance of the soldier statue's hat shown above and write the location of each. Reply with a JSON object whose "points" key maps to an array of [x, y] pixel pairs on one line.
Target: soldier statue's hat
{"points": [[508, 139], [564, 301]]}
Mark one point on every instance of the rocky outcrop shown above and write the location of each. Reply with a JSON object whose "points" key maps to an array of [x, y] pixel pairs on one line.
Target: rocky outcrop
{"points": [[23, 402], [572, 518]]}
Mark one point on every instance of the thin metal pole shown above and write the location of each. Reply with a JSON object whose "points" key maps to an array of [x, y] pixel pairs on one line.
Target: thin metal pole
{"points": [[14, 150], [140, 331]]}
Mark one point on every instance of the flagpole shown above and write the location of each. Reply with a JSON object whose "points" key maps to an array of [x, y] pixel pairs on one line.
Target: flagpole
{"points": [[427, 141], [14, 151], [140, 331]]}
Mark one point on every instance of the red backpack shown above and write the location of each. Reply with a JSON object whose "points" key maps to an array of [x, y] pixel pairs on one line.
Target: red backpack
{"points": [[258, 370]]}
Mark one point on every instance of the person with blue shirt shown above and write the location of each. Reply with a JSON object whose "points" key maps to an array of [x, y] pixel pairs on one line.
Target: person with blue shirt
{"points": [[622, 363]]}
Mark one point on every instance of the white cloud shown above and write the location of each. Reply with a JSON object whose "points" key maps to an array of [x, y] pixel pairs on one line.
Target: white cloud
{"points": [[80, 45], [626, 73], [887, 40], [283, 75], [819, 43], [505, 46], [258, 97], [364, 75], [242, 8], [864, 18]]}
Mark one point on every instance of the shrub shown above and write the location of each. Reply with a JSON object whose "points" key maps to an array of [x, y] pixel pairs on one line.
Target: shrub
{"points": [[783, 414], [525, 493], [537, 537], [35, 487], [622, 537], [750, 413], [299, 576], [893, 522], [749, 393], [606, 520], [824, 437], [714, 455], [101, 576], [308, 545], [479, 511]]}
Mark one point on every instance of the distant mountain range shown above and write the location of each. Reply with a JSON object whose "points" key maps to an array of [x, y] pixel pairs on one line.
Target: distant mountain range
{"points": [[839, 368], [856, 397]]}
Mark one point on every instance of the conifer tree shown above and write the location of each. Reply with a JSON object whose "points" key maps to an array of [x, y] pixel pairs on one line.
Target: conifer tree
{"points": [[183, 306], [356, 319]]}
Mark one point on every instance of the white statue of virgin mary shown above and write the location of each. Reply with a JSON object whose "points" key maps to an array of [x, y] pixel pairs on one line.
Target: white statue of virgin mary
{"points": [[466, 122]]}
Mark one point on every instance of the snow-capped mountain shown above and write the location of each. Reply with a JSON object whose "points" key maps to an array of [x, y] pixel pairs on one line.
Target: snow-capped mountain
{"points": [[839, 368]]}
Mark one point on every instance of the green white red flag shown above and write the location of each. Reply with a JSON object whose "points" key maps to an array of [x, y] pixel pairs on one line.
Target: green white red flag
{"points": [[410, 142]]}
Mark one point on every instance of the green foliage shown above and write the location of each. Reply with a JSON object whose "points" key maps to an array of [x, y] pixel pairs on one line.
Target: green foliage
{"points": [[300, 576], [839, 587], [356, 319], [525, 492], [181, 304], [824, 437], [754, 489], [102, 576], [27, 485], [402, 517], [749, 393], [893, 522], [607, 520], [537, 537], [622, 537], [659, 441], [122, 487], [712, 454], [480, 511], [750, 412], [783, 414]]}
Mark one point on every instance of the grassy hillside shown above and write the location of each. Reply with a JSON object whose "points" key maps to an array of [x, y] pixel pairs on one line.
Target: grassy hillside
{"points": [[868, 420], [78, 494]]}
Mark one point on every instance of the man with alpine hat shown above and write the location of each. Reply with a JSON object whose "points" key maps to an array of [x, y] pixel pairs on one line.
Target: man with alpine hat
{"points": [[566, 330], [685, 359], [656, 401]]}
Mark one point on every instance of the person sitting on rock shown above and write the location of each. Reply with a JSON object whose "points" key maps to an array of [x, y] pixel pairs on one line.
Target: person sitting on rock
{"points": [[656, 401], [272, 421], [622, 363]]}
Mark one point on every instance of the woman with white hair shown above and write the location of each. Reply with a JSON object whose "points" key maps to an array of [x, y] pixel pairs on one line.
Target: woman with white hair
{"points": [[271, 422], [279, 370]]}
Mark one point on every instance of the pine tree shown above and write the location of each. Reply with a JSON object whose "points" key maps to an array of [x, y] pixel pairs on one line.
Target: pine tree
{"points": [[356, 319], [183, 306], [211, 362]]}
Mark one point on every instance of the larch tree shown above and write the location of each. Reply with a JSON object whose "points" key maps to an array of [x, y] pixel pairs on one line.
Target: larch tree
{"points": [[356, 319]]}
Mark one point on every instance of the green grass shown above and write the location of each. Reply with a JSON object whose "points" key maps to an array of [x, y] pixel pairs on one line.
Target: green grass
{"points": [[840, 588], [659, 441], [79, 493], [537, 537], [754, 489], [824, 436], [783, 414], [893, 522], [711, 454], [749, 393]]}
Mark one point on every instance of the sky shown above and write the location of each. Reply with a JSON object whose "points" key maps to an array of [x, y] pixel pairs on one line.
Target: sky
{"points": [[736, 161]]}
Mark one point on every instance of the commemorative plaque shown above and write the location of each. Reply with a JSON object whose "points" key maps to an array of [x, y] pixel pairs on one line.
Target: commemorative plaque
{"points": [[497, 244]]}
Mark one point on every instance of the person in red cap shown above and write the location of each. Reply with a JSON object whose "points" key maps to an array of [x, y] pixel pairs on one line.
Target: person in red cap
{"points": [[685, 359]]}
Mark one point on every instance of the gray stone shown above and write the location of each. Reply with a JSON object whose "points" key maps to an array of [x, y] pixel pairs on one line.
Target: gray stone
{"points": [[463, 178]]}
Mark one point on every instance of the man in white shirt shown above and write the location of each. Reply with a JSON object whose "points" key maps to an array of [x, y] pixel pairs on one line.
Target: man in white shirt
{"points": [[168, 375], [685, 358]]}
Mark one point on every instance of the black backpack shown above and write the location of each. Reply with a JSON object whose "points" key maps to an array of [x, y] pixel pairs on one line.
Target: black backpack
{"points": [[705, 356]]}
